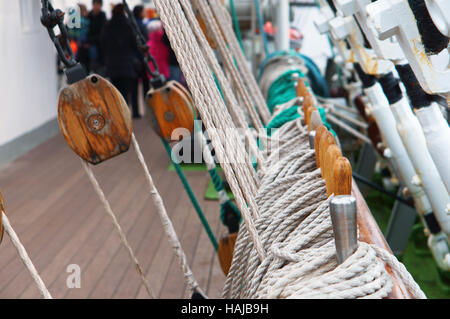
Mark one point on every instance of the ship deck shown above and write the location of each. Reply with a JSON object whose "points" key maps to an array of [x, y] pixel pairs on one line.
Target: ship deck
{"points": [[61, 221]]}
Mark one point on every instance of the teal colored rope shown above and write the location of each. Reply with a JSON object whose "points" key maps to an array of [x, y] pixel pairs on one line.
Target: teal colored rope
{"points": [[282, 118], [282, 89], [323, 117], [218, 184], [318, 83], [192, 197], [237, 29]]}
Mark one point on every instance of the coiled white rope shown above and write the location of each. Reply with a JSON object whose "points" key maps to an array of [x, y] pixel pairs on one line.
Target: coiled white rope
{"points": [[296, 230], [25, 258]]}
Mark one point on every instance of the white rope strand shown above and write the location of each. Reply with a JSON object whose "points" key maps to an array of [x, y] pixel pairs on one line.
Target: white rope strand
{"points": [[167, 223], [25, 258], [122, 235], [213, 111]]}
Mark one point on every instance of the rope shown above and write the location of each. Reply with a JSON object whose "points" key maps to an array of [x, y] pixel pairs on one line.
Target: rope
{"points": [[225, 202], [227, 58], [192, 197], [167, 223], [283, 117], [221, 15], [296, 231], [122, 235], [282, 89], [237, 28], [223, 84], [25, 258], [286, 249], [213, 111]]}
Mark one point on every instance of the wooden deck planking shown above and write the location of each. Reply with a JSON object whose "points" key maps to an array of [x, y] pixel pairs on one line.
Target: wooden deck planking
{"points": [[61, 221], [161, 265]]}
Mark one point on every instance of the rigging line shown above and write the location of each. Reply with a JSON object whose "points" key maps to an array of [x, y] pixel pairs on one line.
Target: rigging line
{"points": [[25, 258], [167, 223], [192, 197], [122, 235]]}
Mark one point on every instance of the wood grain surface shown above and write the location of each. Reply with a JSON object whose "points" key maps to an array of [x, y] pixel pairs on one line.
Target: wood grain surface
{"points": [[94, 119], [172, 108]]}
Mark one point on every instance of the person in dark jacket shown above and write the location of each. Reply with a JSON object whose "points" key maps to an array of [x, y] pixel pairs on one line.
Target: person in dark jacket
{"points": [[97, 20], [175, 72], [138, 12], [80, 36], [119, 47]]}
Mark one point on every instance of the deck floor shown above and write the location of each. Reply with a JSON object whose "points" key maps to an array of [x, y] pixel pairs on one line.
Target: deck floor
{"points": [[61, 221]]}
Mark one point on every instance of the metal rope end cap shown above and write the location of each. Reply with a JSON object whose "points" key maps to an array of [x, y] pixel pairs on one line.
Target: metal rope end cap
{"points": [[311, 137], [343, 218]]}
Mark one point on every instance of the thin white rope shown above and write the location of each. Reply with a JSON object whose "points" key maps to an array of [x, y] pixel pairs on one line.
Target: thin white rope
{"points": [[167, 223], [402, 272], [231, 100], [25, 258], [227, 58], [224, 21], [123, 237], [213, 111]]}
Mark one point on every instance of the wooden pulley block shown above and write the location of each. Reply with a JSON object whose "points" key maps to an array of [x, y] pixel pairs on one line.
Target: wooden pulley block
{"points": [[2, 209], [94, 119], [225, 251], [172, 107]]}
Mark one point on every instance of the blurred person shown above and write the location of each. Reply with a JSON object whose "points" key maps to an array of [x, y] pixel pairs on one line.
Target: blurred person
{"points": [[119, 48], [97, 20], [175, 72], [157, 47], [138, 13], [81, 37]]}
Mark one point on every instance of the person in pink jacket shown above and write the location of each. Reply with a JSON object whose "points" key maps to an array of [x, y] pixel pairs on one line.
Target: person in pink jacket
{"points": [[158, 49]]}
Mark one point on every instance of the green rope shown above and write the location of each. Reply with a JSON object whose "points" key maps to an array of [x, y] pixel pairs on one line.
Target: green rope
{"points": [[228, 204], [218, 184], [323, 117], [282, 118], [191, 195], [237, 29], [282, 90]]}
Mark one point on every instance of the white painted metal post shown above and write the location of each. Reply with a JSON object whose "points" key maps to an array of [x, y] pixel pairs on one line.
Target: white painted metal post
{"points": [[282, 24]]}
